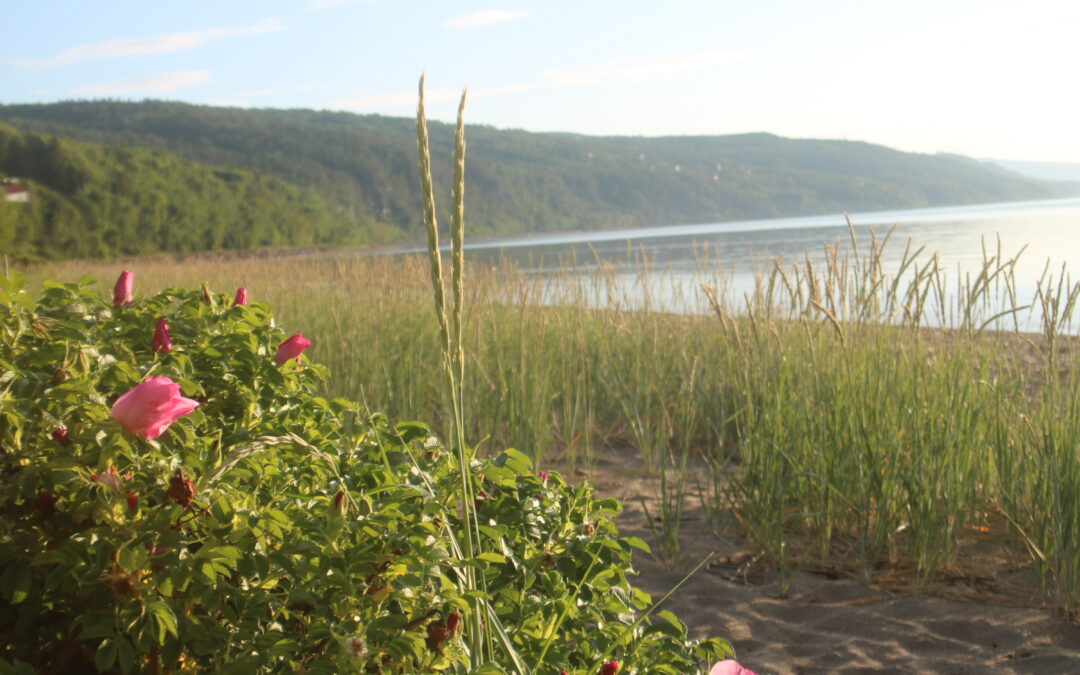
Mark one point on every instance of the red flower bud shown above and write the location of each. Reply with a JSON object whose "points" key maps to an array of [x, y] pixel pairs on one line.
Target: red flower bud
{"points": [[161, 343], [291, 349], [241, 297], [339, 504], [60, 434], [132, 501], [453, 621], [609, 668], [122, 289]]}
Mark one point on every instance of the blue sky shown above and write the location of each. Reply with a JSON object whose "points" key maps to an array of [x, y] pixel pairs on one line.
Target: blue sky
{"points": [[986, 79]]}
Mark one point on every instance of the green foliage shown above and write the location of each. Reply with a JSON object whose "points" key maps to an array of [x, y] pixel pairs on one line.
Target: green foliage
{"points": [[317, 538], [526, 182], [94, 201]]}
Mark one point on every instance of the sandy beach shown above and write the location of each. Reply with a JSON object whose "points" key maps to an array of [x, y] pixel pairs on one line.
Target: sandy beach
{"points": [[828, 623]]}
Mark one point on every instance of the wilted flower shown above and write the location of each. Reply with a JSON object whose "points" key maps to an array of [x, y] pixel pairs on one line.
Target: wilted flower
{"points": [[437, 632], [122, 289], [161, 342], [181, 490], [729, 667], [46, 503], [481, 497], [149, 408], [109, 478], [241, 297], [609, 668], [291, 349], [355, 647]]}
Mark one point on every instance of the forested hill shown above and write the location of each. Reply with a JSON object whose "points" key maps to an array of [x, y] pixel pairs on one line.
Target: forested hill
{"points": [[364, 166], [93, 201]]}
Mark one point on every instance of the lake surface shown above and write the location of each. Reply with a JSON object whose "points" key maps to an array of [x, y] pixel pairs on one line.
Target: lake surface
{"points": [[683, 254]]}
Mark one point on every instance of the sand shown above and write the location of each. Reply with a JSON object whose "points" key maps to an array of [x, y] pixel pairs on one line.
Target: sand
{"points": [[827, 623]]}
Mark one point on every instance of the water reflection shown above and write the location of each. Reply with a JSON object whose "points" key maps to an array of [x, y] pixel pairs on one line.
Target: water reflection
{"points": [[963, 238]]}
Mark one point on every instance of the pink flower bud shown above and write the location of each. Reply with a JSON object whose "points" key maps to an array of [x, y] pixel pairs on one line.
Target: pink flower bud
{"points": [[729, 667], [60, 434], [609, 668], [149, 408], [122, 290], [241, 297], [291, 349], [161, 343]]}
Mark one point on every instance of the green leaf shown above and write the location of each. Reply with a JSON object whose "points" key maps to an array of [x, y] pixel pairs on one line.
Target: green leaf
{"points": [[105, 656], [638, 543], [15, 583], [126, 655]]}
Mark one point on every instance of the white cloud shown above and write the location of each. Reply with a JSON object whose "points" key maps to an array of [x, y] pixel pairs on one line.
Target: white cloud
{"points": [[486, 18], [161, 44], [150, 84]]}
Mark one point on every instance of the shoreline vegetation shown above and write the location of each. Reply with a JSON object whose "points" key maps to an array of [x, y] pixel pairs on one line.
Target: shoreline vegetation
{"points": [[832, 426]]}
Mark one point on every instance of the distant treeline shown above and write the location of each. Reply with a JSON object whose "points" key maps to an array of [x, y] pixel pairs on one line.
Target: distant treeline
{"points": [[92, 201], [362, 167]]}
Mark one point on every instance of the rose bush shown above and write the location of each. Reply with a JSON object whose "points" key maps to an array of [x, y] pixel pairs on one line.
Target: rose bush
{"points": [[202, 509]]}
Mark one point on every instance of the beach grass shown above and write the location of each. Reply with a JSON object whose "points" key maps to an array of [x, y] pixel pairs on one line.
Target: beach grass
{"points": [[830, 418]]}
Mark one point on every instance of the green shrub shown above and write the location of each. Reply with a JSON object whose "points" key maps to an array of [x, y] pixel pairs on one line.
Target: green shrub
{"points": [[270, 529]]}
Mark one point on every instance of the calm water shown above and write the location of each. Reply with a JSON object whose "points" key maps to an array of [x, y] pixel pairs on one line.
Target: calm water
{"points": [[1050, 231]]}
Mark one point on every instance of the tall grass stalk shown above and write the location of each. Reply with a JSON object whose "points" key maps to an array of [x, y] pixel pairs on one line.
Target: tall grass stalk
{"points": [[480, 641]]}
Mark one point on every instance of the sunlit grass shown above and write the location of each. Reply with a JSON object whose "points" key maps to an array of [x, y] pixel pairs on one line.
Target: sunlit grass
{"points": [[838, 426]]}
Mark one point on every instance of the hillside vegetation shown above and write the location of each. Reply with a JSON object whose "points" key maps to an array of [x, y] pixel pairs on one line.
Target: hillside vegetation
{"points": [[520, 182], [94, 201]]}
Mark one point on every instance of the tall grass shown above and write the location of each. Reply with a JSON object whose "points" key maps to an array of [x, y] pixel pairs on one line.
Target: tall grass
{"points": [[839, 424]]}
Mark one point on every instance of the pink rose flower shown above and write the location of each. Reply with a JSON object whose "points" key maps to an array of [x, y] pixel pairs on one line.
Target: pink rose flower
{"points": [[149, 408], [161, 342], [729, 667], [291, 349], [122, 290], [241, 297]]}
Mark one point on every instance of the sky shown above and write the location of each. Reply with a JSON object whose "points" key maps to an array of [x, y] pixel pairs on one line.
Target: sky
{"points": [[987, 79]]}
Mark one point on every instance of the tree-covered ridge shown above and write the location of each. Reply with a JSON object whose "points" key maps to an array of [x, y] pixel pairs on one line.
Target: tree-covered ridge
{"points": [[529, 182], [92, 201]]}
